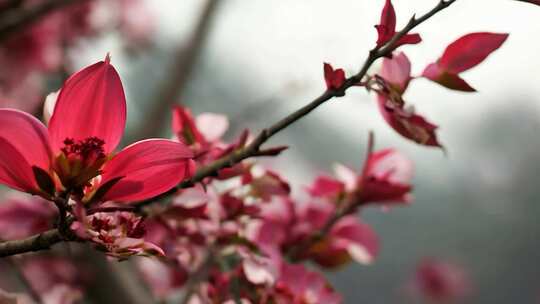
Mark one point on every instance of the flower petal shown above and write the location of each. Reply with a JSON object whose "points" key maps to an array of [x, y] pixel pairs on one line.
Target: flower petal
{"points": [[27, 135], [212, 125], [90, 104], [15, 171], [148, 168]]}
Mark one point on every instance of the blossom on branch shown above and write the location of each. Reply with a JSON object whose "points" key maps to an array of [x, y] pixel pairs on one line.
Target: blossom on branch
{"points": [[76, 152]]}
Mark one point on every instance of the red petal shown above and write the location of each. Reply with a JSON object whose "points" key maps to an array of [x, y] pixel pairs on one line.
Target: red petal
{"points": [[184, 126], [149, 167], [27, 135], [91, 103], [470, 50], [387, 26], [15, 171]]}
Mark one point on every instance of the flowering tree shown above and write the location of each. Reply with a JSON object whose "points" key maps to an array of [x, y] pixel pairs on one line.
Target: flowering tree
{"points": [[212, 222]]}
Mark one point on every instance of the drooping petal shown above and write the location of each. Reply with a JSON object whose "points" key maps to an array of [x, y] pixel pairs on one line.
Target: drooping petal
{"points": [[212, 125], [325, 186], [148, 168], [470, 50], [27, 135], [15, 171], [409, 124], [90, 104]]}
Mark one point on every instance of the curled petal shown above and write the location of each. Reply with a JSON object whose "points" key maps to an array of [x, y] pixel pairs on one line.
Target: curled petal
{"points": [[148, 168], [90, 104], [27, 135]]}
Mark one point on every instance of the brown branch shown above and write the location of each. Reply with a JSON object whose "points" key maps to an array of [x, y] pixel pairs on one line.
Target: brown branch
{"points": [[19, 19], [254, 147], [179, 74], [38, 242], [49, 238]]}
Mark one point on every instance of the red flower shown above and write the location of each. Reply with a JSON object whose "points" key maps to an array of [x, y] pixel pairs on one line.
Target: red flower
{"points": [[85, 128], [334, 78], [461, 55], [387, 28]]}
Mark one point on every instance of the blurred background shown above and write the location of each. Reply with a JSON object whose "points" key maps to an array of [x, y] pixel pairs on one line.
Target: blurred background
{"points": [[258, 60]]}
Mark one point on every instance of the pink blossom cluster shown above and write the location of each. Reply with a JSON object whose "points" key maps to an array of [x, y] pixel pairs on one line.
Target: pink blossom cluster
{"points": [[238, 234]]}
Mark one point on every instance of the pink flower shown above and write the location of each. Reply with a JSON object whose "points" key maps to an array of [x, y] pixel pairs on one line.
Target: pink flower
{"points": [[394, 79], [441, 281], [76, 151], [119, 234], [163, 278], [385, 178], [298, 285]]}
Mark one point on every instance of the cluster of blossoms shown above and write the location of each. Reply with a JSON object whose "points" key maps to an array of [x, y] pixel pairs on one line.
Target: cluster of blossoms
{"points": [[41, 48], [235, 235]]}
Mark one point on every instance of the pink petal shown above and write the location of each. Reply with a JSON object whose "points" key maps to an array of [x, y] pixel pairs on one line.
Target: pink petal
{"points": [[470, 50], [90, 104], [358, 238], [15, 171], [27, 135], [347, 176], [397, 71], [149, 167], [326, 186], [212, 126]]}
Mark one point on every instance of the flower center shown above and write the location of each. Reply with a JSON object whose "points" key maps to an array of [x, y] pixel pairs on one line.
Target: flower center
{"points": [[80, 161], [87, 150]]}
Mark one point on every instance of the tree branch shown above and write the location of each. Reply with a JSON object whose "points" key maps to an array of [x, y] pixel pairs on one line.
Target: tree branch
{"points": [[19, 19], [49, 238], [38, 242], [254, 147]]}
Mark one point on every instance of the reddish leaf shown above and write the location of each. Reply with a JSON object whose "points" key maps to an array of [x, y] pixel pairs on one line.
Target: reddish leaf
{"points": [[387, 26], [334, 78], [386, 29], [470, 50], [461, 55]]}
